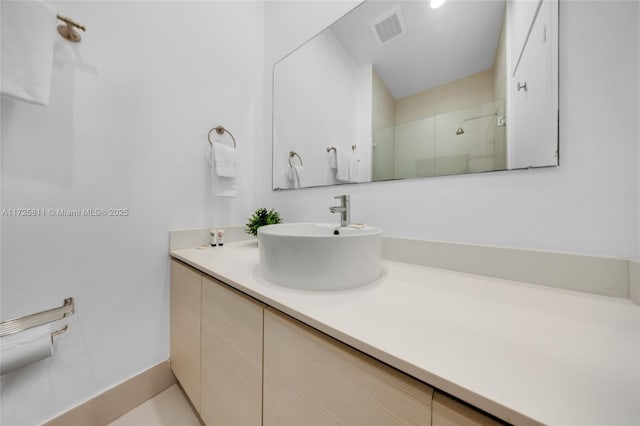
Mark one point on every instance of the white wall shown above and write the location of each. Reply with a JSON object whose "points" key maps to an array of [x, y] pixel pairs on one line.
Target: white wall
{"points": [[321, 80], [130, 109], [587, 205], [287, 25]]}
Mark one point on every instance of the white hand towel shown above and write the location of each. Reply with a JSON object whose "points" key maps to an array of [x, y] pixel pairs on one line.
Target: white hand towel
{"points": [[342, 172], [353, 169], [221, 186], [224, 187], [225, 159], [333, 162], [24, 348], [295, 175], [28, 33]]}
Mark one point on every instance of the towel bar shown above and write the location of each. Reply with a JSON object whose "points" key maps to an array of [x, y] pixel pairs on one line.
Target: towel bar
{"points": [[295, 154], [68, 31], [17, 325], [221, 131]]}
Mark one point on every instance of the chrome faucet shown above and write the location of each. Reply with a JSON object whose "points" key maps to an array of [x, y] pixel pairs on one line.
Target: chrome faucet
{"points": [[343, 209]]}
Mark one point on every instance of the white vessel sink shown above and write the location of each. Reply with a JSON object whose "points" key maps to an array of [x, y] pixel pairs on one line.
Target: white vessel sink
{"points": [[308, 256]]}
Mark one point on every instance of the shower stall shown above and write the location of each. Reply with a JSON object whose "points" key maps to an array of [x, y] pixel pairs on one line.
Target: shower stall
{"points": [[463, 141]]}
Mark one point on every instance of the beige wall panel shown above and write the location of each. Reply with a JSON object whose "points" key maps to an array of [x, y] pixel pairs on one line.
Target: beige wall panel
{"points": [[473, 90]]}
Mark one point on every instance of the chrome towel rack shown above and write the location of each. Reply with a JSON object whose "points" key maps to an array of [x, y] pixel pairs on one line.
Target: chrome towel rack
{"points": [[333, 148], [295, 154], [68, 31], [26, 322], [221, 131]]}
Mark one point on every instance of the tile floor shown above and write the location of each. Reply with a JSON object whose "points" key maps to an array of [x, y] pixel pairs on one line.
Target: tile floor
{"points": [[169, 408]]}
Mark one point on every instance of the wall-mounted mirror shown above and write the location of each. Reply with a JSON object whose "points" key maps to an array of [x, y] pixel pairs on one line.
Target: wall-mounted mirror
{"points": [[399, 89]]}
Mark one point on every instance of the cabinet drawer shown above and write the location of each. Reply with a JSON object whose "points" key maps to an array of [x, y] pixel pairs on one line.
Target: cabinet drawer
{"points": [[449, 412], [311, 379]]}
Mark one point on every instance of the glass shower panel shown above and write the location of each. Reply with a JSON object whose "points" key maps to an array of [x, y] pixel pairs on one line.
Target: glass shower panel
{"points": [[384, 154], [414, 149], [470, 140]]}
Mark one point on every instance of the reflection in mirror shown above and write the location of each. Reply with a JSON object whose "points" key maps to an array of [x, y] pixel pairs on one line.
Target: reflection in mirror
{"points": [[396, 89]]}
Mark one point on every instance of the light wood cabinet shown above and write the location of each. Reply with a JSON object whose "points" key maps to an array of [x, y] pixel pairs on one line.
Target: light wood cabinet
{"points": [[185, 311], [449, 412], [243, 363], [231, 356], [311, 379]]}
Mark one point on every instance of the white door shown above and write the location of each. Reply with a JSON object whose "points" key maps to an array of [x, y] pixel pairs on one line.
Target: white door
{"points": [[534, 108]]}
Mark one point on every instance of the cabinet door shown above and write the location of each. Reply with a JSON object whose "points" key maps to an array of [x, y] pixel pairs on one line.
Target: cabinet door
{"points": [[231, 356], [311, 379], [449, 412], [186, 299]]}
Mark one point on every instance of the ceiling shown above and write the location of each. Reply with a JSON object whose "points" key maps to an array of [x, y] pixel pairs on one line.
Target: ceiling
{"points": [[441, 45]]}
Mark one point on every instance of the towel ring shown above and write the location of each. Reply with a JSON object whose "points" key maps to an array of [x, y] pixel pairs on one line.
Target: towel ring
{"points": [[220, 130], [295, 154], [68, 31], [332, 148]]}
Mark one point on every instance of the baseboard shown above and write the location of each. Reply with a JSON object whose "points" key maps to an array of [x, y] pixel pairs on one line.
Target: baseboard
{"points": [[119, 400]]}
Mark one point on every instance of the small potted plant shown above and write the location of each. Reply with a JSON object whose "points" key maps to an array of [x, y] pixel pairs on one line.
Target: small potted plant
{"points": [[262, 217]]}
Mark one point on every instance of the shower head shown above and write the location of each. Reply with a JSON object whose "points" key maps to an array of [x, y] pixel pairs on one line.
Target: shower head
{"points": [[460, 130]]}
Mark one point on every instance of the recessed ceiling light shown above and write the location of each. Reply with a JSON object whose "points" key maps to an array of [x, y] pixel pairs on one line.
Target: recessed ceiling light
{"points": [[437, 3]]}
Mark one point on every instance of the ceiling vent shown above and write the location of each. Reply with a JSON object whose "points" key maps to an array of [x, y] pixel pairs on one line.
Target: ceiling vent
{"points": [[388, 26]]}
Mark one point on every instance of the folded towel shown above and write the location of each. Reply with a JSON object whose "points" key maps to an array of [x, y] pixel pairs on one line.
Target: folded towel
{"points": [[225, 159], [295, 175], [28, 33], [221, 186], [224, 187], [342, 172], [333, 162]]}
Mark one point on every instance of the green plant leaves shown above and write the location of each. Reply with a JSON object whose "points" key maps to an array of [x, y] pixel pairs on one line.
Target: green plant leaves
{"points": [[262, 217]]}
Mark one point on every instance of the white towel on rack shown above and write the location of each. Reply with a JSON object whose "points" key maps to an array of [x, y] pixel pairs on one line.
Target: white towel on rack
{"points": [[342, 172], [221, 186], [25, 347], [225, 159], [333, 162], [295, 175], [27, 38], [347, 168]]}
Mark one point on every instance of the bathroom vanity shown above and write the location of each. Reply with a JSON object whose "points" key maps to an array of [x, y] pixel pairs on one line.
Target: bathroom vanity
{"points": [[243, 362], [419, 346]]}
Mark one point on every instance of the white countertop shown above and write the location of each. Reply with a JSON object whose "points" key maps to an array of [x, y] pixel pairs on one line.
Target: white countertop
{"points": [[525, 353]]}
